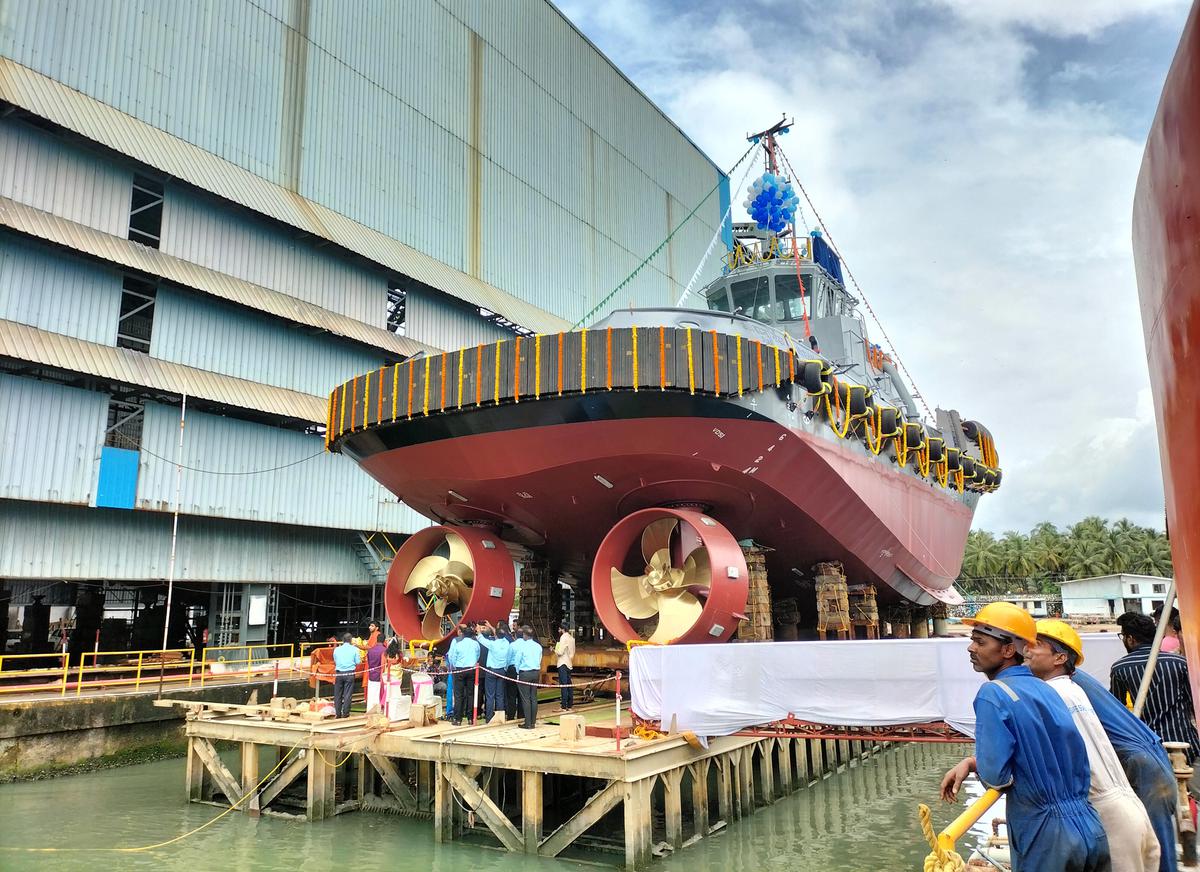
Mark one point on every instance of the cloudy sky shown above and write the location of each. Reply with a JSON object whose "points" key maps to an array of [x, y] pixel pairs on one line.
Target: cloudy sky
{"points": [[975, 161]]}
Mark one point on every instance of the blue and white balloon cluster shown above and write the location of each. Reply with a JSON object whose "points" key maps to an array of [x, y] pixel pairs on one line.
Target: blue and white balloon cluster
{"points": [[772, 203]]}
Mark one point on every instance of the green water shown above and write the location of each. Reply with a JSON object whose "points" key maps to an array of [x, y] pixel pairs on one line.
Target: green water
{"points": [[861, 819]]}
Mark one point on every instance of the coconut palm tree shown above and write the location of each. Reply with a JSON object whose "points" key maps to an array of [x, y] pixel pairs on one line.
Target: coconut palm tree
{"points": [[1151, 555], [1018, 557]]}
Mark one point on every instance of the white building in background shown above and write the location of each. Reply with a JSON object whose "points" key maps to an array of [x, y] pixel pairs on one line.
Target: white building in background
{"points": [[1112, 595], [248, 203]]}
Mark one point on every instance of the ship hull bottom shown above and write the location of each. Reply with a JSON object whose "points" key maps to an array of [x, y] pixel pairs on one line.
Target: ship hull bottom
{"points": [[559, 487]]}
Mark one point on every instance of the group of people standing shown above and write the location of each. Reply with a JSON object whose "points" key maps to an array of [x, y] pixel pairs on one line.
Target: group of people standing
{"points": [[510, 665], [1088, 785]]}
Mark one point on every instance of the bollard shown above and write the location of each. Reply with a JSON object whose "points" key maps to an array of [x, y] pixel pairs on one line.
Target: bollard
{"points": [[475, 699], [617, 725]]}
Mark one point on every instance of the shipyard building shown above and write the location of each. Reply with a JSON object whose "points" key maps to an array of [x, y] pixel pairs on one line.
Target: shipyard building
{"points": [[246, 203]]}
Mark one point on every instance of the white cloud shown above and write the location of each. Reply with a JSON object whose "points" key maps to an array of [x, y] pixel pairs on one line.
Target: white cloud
{"points": [[1063, 17], [989, 228]]}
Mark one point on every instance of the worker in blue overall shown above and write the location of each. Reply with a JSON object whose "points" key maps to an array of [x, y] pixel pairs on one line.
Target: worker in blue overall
{"points": [[1144, 760], [1027, 745]]}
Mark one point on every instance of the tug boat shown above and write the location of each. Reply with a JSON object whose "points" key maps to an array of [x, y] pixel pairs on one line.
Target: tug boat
{"points": [[635, 454]]}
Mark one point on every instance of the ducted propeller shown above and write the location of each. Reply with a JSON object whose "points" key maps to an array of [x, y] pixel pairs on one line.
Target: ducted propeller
{"points": [[442, 584], [669, 588]]}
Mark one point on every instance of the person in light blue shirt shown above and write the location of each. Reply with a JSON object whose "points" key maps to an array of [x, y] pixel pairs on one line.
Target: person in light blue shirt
{"points": [[462, 658], [346, 658], [526, 655], [494, 680]]}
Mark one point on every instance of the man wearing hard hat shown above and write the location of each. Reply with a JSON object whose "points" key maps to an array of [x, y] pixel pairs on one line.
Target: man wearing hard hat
{"points": [[1132, 843], [1027, 746]]}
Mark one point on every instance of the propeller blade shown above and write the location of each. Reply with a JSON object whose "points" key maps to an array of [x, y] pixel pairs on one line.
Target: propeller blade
{"points": [[677, 612], [627, 592], [461, 571], [424, 572], [697, 570], [661, 560], [656, 537], [431, 626], [459, 552]]}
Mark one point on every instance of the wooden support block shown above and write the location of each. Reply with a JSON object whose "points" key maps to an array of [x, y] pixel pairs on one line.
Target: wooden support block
{"points": [[250, 777], [443, 805], [783, 759], [571, 728], [638, 834], [673, 806], [700, 797], [420, 715], [531, 810], [597, 806]]}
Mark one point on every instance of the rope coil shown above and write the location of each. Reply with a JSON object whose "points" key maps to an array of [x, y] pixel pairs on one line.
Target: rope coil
{"points": [[939, 859]]}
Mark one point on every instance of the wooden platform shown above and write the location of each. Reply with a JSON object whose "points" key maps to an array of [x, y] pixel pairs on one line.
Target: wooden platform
{"points": [[530, 790]]}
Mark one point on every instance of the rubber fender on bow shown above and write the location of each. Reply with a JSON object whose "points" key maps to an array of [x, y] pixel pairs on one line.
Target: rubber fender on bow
{"points": [[811, 376], [889, 421], [968, 467], [853, 397], [953, 463], [914, 436], [936, 445]]}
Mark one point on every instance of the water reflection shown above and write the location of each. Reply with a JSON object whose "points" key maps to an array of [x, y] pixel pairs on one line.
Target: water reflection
{"points": [[862, 818]]}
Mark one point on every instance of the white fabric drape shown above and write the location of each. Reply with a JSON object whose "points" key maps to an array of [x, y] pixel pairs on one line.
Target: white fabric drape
{"points": [[716, 690]]}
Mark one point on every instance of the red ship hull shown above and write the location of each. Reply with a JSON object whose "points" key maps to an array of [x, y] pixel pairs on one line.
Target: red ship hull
{"points": [[559, 486], [1166, 242]]}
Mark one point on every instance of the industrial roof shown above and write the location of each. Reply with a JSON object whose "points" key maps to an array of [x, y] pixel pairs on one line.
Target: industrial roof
{"points": [[132, 255], [110, 127], [122, 365]]}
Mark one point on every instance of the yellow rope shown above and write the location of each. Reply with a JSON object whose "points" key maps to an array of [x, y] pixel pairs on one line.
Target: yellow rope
{"points": [[939, 859]]}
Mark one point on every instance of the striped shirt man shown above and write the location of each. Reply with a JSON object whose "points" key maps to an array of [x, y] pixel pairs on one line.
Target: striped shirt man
{"points": [[1168, 709]]}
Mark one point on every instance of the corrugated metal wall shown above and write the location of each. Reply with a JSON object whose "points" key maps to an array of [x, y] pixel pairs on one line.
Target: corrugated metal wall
{"points": [[234, 242], [45, 288], [61, 542], [325, 490], [219, 337], [61, 178], [430, 318], [57, 458], [491, 136]]}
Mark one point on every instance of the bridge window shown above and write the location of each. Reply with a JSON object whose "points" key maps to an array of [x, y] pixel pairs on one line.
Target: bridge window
{"points": [[788, 306], [752, 298], [719, 301]]}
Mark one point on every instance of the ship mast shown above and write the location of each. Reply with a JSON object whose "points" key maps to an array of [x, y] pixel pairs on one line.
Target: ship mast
{"points": [[766, 138]]}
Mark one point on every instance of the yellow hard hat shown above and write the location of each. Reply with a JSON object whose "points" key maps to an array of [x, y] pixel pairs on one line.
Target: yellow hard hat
{"points": [[1007, 618], [1063, 633]]}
